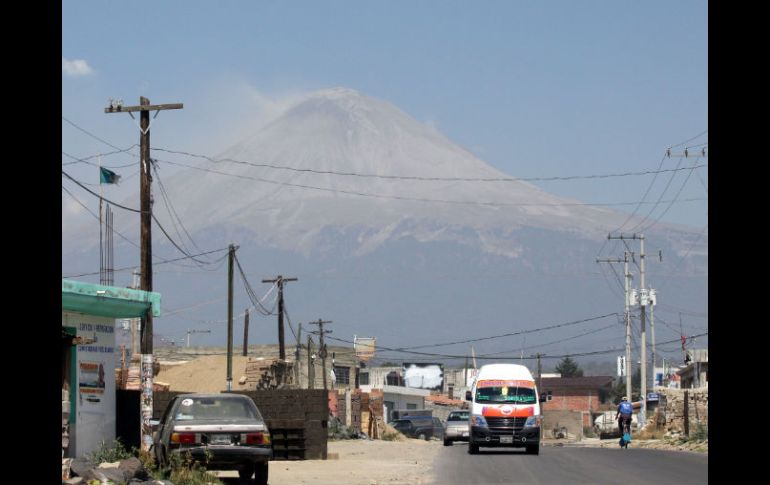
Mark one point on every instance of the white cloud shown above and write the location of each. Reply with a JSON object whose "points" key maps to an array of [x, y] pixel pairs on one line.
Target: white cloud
{"points": [[70, 207], [75, 68]]}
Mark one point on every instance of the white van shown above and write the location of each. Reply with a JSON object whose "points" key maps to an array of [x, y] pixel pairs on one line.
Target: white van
{"points": [[505, 409]]}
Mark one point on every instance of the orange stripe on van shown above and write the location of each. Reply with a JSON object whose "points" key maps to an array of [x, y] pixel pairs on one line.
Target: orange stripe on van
{"points": [[505, 383], [495, 412]]}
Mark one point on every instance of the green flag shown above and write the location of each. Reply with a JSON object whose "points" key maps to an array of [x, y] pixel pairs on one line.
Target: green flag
{"points": [[107, 176]]}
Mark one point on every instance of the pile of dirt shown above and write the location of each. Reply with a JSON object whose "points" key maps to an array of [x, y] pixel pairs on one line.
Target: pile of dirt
{"points": [[207, 373], [392, 434]]}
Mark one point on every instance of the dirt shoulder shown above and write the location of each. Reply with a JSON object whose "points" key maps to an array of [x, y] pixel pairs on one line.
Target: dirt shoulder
{"points": [[656, 444], [361, 462]]}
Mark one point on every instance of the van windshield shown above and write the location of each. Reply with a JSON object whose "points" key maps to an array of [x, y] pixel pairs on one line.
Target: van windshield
{"points": [[517, 395]]}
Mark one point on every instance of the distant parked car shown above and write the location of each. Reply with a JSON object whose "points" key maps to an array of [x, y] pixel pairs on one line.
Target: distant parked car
{"points": [[606, 426], [456, 427], [226, 427], [423, 428]]}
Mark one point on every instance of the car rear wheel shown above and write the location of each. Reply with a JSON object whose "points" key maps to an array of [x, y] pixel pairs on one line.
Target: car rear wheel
{"points": [[261, 473], [246, 471], [422, 436], [447, 442]]}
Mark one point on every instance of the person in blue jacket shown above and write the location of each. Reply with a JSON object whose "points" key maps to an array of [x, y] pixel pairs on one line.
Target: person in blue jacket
{"points": [[624, 414]]}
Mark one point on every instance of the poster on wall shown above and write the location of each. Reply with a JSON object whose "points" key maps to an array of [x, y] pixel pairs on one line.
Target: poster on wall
{"points": [[91, 382]]}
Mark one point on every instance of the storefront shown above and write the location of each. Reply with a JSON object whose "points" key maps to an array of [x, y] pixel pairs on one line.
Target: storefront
{"points": [[88, 359]]}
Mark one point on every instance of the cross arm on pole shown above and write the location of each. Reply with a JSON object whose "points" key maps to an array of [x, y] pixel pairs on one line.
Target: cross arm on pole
{"points": [[144, 107]]}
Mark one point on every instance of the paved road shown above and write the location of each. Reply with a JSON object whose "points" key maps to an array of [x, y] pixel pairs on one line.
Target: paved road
{"points": [[569, 465]]}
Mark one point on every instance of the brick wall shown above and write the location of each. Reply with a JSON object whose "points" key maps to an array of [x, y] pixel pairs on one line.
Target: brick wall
{"points": [[297, 419]]}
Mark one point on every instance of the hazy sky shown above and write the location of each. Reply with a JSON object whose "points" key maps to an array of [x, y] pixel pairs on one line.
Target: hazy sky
{"points": [[537, 89]]}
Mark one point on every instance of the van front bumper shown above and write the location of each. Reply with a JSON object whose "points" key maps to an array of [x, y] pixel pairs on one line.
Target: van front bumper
{"points": [[505, 437]]}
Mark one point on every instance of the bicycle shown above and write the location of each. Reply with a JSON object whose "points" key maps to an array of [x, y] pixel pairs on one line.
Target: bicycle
{"points": [[626, 432]]}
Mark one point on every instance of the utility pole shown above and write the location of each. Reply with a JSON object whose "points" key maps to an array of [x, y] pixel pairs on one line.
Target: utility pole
{"points": [[145, 206], [322, 347], [279, 280], [652, 332], [310, 368], [230, 258], [465, 384], [626, 314], [134, 321], [539, 369], [246, 333], [296, 355], [643, 302]]}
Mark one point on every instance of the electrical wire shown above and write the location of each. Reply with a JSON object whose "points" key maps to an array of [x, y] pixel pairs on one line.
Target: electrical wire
{"points": [[416, 199], [134, 266], [94, 136], [411, 177], [522, 332]]}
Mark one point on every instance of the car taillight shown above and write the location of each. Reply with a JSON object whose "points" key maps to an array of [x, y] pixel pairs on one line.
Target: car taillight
{"points": [[255, 439], [184, 438]]}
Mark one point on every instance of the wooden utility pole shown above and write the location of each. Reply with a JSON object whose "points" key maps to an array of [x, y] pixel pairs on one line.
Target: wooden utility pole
{"points": [[246, 333], [145, 205], [322, 347], [296, 355], [279, 280], [539, 369], [310, 368], [230, 258]]}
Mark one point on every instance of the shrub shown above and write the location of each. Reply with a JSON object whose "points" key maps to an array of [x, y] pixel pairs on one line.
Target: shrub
{"points": [[112, 453]]}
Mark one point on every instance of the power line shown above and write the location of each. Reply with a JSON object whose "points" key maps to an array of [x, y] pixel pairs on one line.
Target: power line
{"points": [[665, 211], [258, 306], [522, 332], [415, 199], [95, 216], [557, 341], [172, 212], [94, 136], [691, 139], [412, 177], [158, 263], [128, 240], [652, 182], [86, 159], [173, 242], [97, 195]]}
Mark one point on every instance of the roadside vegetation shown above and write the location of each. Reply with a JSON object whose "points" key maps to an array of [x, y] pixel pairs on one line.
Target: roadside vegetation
{"points": [[181, 470]]}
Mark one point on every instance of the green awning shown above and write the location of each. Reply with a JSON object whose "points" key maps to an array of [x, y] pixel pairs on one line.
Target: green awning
{"points": [[107, 301]]}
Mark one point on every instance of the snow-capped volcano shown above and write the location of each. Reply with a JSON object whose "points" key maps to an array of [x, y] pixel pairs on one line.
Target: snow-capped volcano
{"points": [[339, 158], [399, 237]]}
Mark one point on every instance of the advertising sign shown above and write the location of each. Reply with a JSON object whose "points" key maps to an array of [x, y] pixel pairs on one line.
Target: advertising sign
{"points": [[424, 376], [365, 347]]}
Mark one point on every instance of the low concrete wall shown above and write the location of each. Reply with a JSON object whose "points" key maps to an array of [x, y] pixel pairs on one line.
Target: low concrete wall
{"points": [[572, 420]]}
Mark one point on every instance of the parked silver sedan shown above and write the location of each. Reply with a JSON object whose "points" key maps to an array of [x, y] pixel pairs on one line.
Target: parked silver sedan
{"points": [[225, 431], [456, 427]]}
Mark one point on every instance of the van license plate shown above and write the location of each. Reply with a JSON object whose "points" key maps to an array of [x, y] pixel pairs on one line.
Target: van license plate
{"points": [[506, 439]]}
